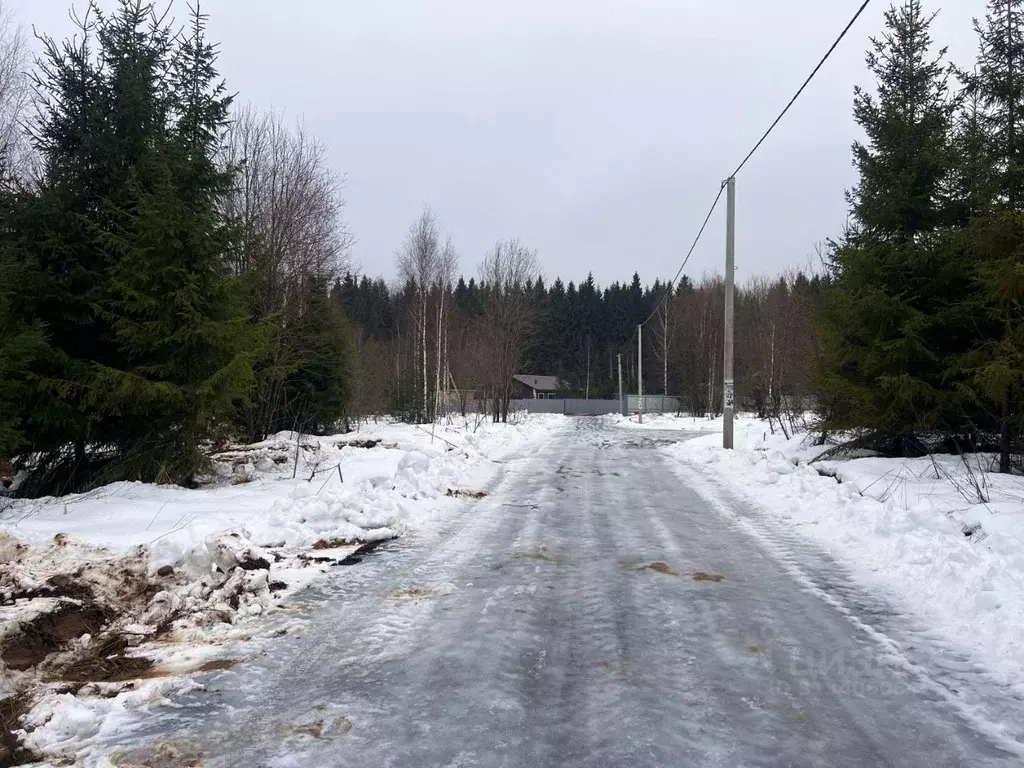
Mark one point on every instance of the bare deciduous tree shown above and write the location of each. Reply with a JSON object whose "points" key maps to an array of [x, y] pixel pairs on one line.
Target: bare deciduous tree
{"points": [[507, 317], [664, 333], [15, 97], [288, 201], [427, 260]]}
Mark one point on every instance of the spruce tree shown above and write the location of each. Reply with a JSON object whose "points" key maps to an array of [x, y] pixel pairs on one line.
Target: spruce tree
{"points": [[152, 345], [993, 368], [883, 330], [317, 390], [186, 348], [22, 344]]}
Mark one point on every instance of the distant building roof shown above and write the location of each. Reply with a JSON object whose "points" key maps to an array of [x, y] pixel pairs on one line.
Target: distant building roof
{"points": [[540, 383]]}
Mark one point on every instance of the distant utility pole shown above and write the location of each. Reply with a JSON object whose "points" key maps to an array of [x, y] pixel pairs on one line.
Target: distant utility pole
{"points": [[622, 402], [729, 394], [640, 371]]}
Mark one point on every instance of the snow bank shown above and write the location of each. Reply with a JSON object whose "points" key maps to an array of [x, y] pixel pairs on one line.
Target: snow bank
{"points": [[915, 529], [188, 566], [660, 421]]}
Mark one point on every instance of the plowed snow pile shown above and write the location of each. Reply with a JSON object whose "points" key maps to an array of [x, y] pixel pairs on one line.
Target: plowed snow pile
{"points": [[106, 598], [941, 537]]}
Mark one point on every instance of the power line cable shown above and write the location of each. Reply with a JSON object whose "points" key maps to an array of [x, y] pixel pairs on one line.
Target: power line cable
{"points": [[757, 146], [700, 234], [803, 87]]}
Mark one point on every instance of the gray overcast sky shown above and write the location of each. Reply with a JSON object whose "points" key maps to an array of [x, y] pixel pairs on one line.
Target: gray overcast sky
{"points": [[596, 131]]}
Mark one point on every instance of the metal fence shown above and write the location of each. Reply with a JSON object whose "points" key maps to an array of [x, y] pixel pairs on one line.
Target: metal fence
{"points": [[572, 406], [653, 404], [582, 407]]}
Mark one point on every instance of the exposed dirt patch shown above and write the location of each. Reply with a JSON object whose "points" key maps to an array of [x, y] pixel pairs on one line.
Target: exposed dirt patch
{"points": [[61, 585], [218, 665], [368, 443], [254, 564], [360, 443], [313, 559], [755, 648], [456, 493], [11, 710], [46, 633], [335, 543], [703, 576], [659, 567], [105, 661], [277, 586], [165, 753]]}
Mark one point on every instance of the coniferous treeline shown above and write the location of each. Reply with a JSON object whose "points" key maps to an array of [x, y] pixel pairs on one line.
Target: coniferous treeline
{"points": [[171, 273], [137, 250], [923, 333], [578, 332]]}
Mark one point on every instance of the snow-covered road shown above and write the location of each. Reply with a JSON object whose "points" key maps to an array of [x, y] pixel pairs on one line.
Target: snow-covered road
{"points": [[593, 610]]}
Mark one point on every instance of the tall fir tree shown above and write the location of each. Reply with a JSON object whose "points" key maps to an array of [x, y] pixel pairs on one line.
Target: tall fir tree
{"points": [[153, 344], [22, 344], [883, 330], [993, 369], [186, 346]]}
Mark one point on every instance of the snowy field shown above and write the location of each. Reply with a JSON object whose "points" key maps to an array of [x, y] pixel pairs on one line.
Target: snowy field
{"points": [[109, 599], [941, 537]]}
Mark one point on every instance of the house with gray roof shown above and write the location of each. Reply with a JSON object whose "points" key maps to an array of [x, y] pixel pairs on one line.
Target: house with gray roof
{"points": [[529, 387]]}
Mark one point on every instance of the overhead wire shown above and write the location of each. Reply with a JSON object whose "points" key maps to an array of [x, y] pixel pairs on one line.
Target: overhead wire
{"points": [[757, 146], [803, 87]]}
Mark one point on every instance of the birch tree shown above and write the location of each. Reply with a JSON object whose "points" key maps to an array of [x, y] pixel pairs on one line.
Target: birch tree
{"points": [[427, 260]]}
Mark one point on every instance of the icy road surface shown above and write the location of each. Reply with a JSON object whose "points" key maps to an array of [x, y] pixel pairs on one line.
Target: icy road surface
{"points": [[594, 610]]}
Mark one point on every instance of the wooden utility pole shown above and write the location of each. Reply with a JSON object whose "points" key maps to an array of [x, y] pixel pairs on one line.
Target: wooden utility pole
{"points": [[729, 393], [622, 401], [640, 371]]}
